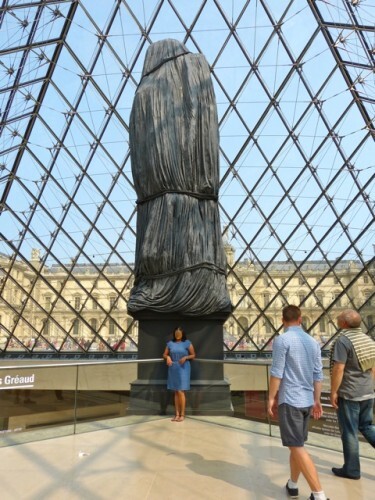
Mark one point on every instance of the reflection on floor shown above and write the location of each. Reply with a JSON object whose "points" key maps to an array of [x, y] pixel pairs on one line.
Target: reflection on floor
{"points": [[199, 458]]}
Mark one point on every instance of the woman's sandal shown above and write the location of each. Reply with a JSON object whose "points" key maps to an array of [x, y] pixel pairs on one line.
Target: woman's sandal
{"points": [[175, 418]]}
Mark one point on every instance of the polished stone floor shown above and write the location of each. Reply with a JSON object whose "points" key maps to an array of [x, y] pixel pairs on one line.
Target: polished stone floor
{"points": [[199, 458]]}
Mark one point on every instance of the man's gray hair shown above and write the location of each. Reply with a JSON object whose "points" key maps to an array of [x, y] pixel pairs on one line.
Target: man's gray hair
{"points": [[352, 318]]}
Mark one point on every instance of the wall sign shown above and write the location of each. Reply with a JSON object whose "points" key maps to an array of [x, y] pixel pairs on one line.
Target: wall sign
{"points": [[17, 382]]}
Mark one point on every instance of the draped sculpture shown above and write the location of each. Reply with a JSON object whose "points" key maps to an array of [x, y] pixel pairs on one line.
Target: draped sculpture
{"points": [[180, 263]]}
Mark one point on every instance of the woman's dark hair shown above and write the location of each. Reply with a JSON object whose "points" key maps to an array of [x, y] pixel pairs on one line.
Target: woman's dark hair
{"points": [[183, 333]]}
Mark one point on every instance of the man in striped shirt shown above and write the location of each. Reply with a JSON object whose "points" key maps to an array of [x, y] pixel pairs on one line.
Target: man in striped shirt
{"points": [[297, 375], [352, 389]]}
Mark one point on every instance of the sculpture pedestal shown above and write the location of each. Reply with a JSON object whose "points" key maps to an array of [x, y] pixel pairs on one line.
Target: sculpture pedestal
{"points": [[209, 393]]}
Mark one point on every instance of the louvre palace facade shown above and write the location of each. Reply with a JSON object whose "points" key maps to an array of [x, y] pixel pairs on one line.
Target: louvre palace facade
{"points": [[47, 309]]}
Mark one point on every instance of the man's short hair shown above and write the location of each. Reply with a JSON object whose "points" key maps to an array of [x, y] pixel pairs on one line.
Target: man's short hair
{"points": [[351, 317], [291, 313]]}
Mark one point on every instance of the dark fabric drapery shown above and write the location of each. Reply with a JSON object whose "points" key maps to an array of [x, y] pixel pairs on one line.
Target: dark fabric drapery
{"points": [[180, 261]]}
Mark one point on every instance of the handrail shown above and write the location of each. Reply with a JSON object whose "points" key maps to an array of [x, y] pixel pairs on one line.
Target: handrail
{"points": [[79, 363], [255, 362]]}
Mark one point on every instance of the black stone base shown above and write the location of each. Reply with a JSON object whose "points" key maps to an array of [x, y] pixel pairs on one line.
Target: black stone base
{"points": [[204, 398], [209, 394]]}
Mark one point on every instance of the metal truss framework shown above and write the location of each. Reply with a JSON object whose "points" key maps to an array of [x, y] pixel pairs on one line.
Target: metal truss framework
{"points": [[295, 88]]}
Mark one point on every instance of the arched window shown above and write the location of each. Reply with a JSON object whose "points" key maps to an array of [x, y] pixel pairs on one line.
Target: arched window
{"points": [[76, 327], [243, 321], [268, 323], [77, 302], [94, 302], [285, 298], [241, 299], [112, 327], [47, 302], [320, 298], [46, 327], [305, 322], [336, 296], [322, 325], [367, 297]]}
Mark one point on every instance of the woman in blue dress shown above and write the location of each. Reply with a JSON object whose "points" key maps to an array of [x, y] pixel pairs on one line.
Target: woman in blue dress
{"points": [[177, 354]]}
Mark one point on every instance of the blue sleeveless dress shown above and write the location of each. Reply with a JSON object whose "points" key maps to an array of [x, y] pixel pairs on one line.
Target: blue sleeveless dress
{"points": [[179, 375]]}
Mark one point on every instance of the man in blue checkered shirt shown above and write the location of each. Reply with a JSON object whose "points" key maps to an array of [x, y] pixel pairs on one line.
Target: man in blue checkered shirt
{"points": [[297, 375]]}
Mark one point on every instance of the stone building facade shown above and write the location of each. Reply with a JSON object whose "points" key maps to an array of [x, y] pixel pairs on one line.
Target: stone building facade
{"points": [[82, 307]]}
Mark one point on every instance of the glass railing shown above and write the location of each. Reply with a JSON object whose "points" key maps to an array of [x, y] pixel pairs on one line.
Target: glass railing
{"points": [[44, 400]]}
